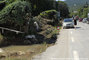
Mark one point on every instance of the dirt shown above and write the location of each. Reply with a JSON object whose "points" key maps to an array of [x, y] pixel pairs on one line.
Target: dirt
{"points": [[23, 52]]}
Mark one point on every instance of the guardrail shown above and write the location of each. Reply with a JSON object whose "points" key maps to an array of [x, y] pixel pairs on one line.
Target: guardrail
{"points": [[17, 32]]}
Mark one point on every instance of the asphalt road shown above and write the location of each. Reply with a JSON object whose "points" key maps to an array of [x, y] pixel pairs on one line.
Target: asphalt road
{"points": [[72, 44]]}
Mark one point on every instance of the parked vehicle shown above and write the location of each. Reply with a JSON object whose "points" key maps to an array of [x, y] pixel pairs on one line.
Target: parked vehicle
{"points": [[68, 22], [80, 19], [84, 20], [87, 21]]}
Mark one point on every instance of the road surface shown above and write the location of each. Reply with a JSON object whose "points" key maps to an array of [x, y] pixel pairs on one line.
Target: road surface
{"points": [[72, 44]]}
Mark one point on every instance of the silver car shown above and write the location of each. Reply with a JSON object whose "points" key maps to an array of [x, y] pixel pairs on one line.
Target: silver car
{"points": [[84, 20], [68, 23]]}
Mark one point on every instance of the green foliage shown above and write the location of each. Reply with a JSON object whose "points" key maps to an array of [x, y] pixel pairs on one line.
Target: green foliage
{"points": [[10, 1], [48, 14], [73, 14], [52, 15], [2, 4], [63, 8], [32, 27], [15, 12], [80, 12], [83, 12], [79, 3], [41, 5]]}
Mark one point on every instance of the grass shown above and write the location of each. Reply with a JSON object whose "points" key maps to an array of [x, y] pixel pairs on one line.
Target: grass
{"points": [[33, 50]]}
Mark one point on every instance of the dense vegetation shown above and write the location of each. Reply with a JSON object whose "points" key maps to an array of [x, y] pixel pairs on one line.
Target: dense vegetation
{"points": [[64, 11], [75, 4], [15, 15], [43, 5], [82, 11], [37, 19], [31, 17]]}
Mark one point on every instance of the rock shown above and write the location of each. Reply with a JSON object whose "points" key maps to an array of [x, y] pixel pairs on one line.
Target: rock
{"points": [[27, 53], [13, 54], [1, 50], [2, 56], [30, 36], [27, 42], [21, 53], [2, 53], [30, 52]]}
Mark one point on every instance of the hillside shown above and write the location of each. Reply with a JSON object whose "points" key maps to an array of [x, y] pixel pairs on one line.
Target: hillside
{"points": [[75, 4]]}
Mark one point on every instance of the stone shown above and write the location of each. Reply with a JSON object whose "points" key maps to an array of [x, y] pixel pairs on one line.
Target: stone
{"points": [[2, 56], [21, 53], [1, 50]]}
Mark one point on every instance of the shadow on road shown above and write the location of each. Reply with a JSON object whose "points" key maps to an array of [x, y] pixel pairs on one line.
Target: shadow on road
{"points": [[74, 28], [78, 27]]}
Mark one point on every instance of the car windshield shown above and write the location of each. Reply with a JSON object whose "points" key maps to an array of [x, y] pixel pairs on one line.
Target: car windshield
{"points": [[67, 20]]}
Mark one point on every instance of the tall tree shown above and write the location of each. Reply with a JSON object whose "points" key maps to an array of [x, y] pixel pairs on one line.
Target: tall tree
{"points": [[41, 5], [64, 11]]}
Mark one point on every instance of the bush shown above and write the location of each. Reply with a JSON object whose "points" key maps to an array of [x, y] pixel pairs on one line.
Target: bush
{"points": [[15, 14], [10, 1], [15, 11], [52, 15], [48, 14]]}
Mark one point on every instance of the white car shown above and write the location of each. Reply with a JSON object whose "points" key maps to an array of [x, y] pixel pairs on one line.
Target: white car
{"points": [[68, 23], [84, 20]]}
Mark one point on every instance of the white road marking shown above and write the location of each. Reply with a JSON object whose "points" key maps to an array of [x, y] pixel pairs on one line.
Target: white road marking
{"points": [[72, 39], [76, 56]]}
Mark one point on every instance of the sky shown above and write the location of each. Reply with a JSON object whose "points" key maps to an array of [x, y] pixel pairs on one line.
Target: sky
{"points": [[61, 0]]}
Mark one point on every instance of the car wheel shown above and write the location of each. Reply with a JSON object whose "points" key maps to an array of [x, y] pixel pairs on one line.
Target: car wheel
{"points": [[73, 27]]}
